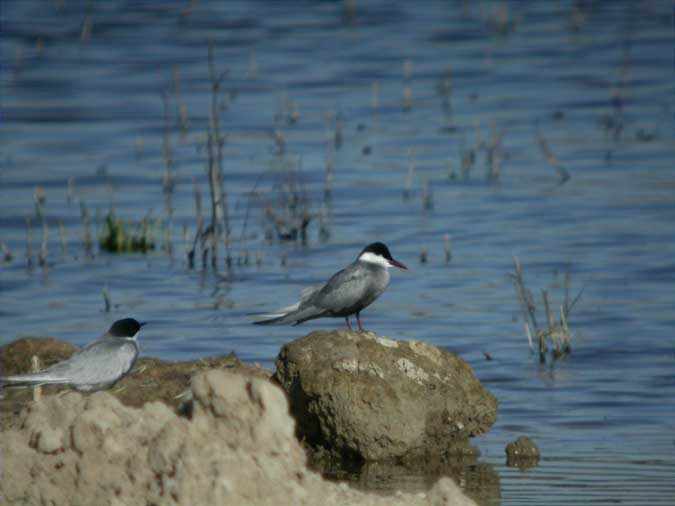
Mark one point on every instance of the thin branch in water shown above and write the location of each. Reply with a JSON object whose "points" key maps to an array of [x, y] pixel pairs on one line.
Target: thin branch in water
{"points": [[6, 252], [568, 310], [494, 153], [70, 192], [468, 158], [337, 138], [181, 109], [529, 336], [86, 224], [215, 144], [376, 96], [40, 201], [63, 239], [427, 196], [446, 248], [29, 244], [42, 256], [199, 232], [547, 308], [407, 190], [328, 179], [106, 299], [524, 295], [552, 160]]}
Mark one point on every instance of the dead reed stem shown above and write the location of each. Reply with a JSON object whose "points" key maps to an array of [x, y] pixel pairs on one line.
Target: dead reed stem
{"points": [[446, 248], [62, 239], [407, 190], [168, 179], [215, 144], [494, 153], [40, 200], [557, 334], [86, 226], [526, 305], [551, 159], [199, 233], [6, 252], [107, 302], [29, 243]]}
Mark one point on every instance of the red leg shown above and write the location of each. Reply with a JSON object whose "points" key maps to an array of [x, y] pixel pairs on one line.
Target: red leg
{"points": [[349, 325], [358, 320]]}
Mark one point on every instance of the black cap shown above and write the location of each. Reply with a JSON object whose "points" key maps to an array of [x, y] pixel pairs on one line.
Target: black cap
{"points": [[377, 248], [380, 249], [127, 327]]}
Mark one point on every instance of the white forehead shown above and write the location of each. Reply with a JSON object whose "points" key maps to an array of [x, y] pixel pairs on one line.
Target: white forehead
{"points": [[372, 258]]}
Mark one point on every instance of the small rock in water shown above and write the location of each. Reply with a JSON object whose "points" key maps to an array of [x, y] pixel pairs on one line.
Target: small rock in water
{"points": [[522, 453]]}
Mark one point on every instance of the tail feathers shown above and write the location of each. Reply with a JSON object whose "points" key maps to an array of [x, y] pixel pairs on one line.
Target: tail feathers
{"points": [[276, 316], [30, 379], [290, 315]]}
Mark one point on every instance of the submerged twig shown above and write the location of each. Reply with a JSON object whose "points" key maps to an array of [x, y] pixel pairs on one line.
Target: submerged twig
{"points": [[407, 190], [562, 172], [29, 244], [86, 225], [494, 154], [446, 248], [6, 252], [220, 222], [106, 299], [62, 239]]}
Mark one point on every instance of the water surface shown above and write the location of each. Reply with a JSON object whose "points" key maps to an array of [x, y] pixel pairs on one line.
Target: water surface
{"points": [[81, 99]]}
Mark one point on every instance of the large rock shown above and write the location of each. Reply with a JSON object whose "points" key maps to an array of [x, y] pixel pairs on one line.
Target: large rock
{"points": [[358, 396], [237, 447]]}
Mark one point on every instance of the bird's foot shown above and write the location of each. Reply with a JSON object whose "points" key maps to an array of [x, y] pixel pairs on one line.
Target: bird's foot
{"points": [[358, 320]]}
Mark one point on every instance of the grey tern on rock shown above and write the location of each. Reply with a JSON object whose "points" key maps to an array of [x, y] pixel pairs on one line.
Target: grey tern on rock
{"points": [[97, 366], [348, 292]]}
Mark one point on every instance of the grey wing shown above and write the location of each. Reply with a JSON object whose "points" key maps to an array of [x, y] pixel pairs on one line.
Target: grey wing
{"points": [[308, 292], [103, 361], [343, 291]]}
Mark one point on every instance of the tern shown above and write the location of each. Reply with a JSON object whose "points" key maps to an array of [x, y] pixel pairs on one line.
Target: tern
{"points": [[348, 292], [97, 366]]}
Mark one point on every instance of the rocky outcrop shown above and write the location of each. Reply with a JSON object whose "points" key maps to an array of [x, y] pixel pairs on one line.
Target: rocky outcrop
{"points": [[237, 447], [360, 397]]}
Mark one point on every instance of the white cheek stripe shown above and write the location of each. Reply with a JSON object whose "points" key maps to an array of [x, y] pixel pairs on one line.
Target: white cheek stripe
{"points": [[374, 259]]}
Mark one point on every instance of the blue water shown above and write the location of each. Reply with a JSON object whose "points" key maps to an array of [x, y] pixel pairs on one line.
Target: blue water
{"points": [[81, 100]]}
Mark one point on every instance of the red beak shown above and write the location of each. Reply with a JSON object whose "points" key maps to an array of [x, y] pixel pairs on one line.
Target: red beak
{"points": [[398, 264]]}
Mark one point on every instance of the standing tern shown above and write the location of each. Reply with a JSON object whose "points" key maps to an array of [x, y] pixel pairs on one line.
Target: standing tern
{"points": [[97, 366], [348, 292]]}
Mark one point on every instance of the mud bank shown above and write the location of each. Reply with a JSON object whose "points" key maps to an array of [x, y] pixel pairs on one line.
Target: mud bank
{"points": [[237, 447], [150, 380], [386, 416]]}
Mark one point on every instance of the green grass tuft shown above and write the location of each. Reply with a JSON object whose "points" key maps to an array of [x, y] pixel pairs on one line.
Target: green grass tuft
{"points": [[126, 237]]}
